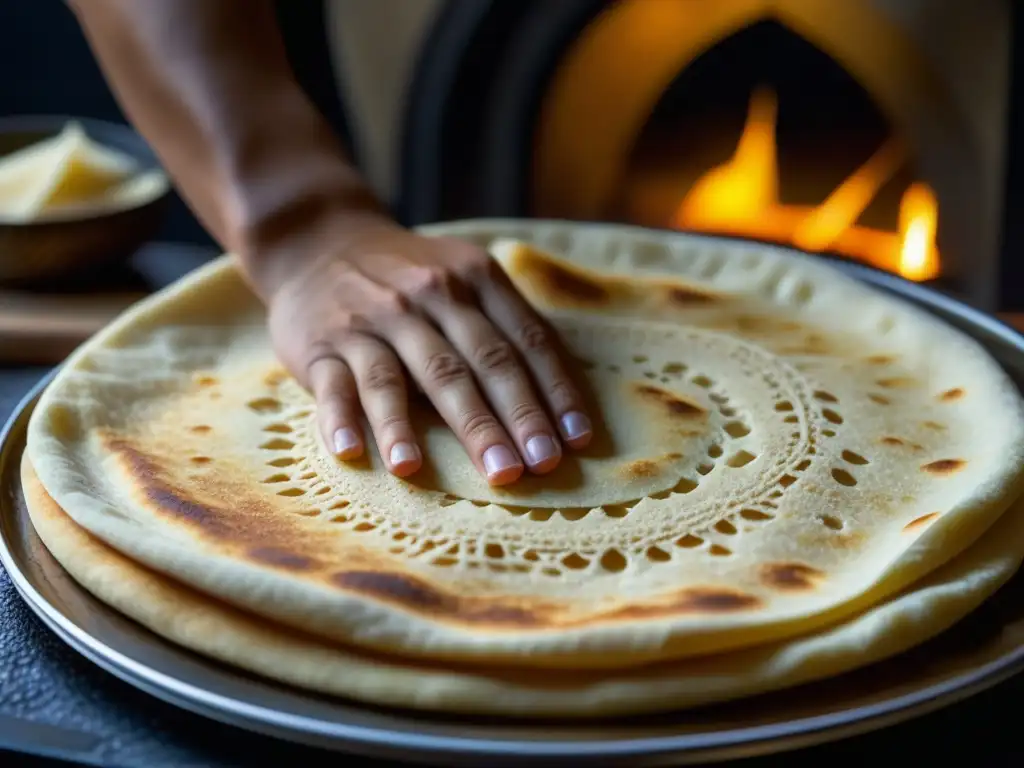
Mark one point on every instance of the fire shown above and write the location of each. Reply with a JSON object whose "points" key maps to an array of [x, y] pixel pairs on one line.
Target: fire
{"points": [[741, 197]]}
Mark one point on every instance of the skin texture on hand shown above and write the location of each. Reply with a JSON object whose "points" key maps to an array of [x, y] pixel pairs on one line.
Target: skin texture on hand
{"points": [[348, 324], [359, 307]]}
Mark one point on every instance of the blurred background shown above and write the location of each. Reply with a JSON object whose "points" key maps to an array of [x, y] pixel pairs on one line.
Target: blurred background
{"points": [[883, 131]]}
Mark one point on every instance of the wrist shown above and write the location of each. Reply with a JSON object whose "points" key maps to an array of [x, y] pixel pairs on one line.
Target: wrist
{"points": [[310, 229], [290, 191]]}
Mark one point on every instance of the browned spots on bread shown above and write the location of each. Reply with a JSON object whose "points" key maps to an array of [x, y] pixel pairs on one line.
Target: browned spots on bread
{"points": [[900, 442], [918, 522], [676, 405], [221, 512], [201, 429], [707, 600], [243, 519], [944, 466], [559, 282], [168, 501], [896, 382], [790, 576], [411, 592], [950, 395], [765, 324], [416, 594], [275, 377], [282, 558], [880, 359], [576, 287], [640, 468], [686, 295], [394, 587]]}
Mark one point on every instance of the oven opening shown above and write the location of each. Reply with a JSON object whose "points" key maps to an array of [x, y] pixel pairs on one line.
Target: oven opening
{"points": [[764, 136]]}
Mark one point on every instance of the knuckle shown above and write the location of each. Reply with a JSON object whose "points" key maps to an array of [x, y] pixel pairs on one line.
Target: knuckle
{"points": [[381, 376], [563, 393], [394, 423], [522, 414], [444, 368], [388, 302], [494, 356], [394, 303], [476, 265], [534, 337], [428, 281], [478, 424], [316, 352]]}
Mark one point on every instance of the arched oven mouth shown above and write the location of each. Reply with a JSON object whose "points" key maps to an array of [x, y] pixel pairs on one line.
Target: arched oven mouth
{"points": [[736, 123]]}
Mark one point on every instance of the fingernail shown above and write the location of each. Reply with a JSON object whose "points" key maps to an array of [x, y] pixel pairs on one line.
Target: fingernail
{"points": [[498, 459], [540, 449], [404, 453], [346, 441], [576, 425]]}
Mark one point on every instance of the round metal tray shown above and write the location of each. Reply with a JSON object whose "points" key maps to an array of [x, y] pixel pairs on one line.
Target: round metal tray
{"points": [[981, 651]]}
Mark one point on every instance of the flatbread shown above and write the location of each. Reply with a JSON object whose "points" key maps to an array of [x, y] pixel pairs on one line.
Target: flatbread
{"points": [[211, 628], [782, 447]]}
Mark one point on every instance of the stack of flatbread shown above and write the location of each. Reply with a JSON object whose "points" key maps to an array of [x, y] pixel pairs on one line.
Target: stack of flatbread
{"points": [[794, 475]]}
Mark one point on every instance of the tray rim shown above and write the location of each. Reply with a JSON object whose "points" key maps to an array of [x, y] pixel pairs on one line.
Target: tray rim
{"points": [[381, 742]]}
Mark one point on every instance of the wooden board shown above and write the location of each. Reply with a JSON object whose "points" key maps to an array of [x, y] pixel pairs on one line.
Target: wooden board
{"points": [[43, 329]]}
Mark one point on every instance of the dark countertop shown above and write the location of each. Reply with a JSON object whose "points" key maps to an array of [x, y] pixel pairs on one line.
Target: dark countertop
{"points": [[43, 681]]}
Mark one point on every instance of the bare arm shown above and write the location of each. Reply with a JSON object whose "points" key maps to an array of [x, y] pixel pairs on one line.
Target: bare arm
{"points": [[208, 85], [355, 301]]}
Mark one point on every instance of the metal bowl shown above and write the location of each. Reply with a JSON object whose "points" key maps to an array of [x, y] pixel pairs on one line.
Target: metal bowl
{"points": [[37, 250]]}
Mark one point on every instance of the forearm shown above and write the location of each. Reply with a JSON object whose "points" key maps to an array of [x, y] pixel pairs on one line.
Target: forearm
{"points": [[208, 84]]}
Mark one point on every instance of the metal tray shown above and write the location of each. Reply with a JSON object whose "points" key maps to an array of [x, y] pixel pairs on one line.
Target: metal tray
{"points": [[981, 651]]}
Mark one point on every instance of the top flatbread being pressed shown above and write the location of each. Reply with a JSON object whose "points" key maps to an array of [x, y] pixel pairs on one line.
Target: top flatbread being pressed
{"points": [[781, 446]]}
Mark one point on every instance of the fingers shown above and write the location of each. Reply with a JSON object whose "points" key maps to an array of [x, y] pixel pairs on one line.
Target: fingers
{"points": [[505, 383], [446, 379], [380, 382], [337, 406], [535, 342]]}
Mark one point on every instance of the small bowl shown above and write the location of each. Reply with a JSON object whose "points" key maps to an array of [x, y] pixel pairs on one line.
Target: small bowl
{"points": [[33, 251]]}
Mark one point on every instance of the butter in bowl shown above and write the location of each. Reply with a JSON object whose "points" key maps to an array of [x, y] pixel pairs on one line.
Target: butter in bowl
{"points": [[75, 194]]}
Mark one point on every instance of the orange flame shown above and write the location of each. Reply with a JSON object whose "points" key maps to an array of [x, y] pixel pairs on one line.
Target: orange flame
{"points": [[741, 197]]}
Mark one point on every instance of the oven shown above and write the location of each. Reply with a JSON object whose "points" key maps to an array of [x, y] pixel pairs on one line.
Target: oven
{"points": [[871, 130]]}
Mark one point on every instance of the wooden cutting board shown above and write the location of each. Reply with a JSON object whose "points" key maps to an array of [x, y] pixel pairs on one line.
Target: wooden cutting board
{"points": [[42, 329]]}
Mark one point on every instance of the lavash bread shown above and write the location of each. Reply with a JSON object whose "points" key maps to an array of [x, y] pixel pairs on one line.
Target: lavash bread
{"points": [[782, 447]]}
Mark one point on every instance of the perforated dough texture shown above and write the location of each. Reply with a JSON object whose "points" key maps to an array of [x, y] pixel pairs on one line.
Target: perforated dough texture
{"points": [[782, 447], [210, 627]]}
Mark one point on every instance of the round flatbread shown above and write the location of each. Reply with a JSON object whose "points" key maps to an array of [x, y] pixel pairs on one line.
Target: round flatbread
{"points": [[779, 446], [209, 627]]}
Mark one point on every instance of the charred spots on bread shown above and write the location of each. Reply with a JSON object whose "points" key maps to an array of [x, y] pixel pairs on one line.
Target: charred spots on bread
{"points": [[676, 405], [944, 466], [790, 576], [920, 522]]}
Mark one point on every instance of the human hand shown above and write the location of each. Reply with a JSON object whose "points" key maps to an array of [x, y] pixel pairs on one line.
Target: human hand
{"points": [[351, 318]]}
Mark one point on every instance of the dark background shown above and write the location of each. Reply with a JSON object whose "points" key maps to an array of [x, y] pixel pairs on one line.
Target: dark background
{"points": [[48, 68]]}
